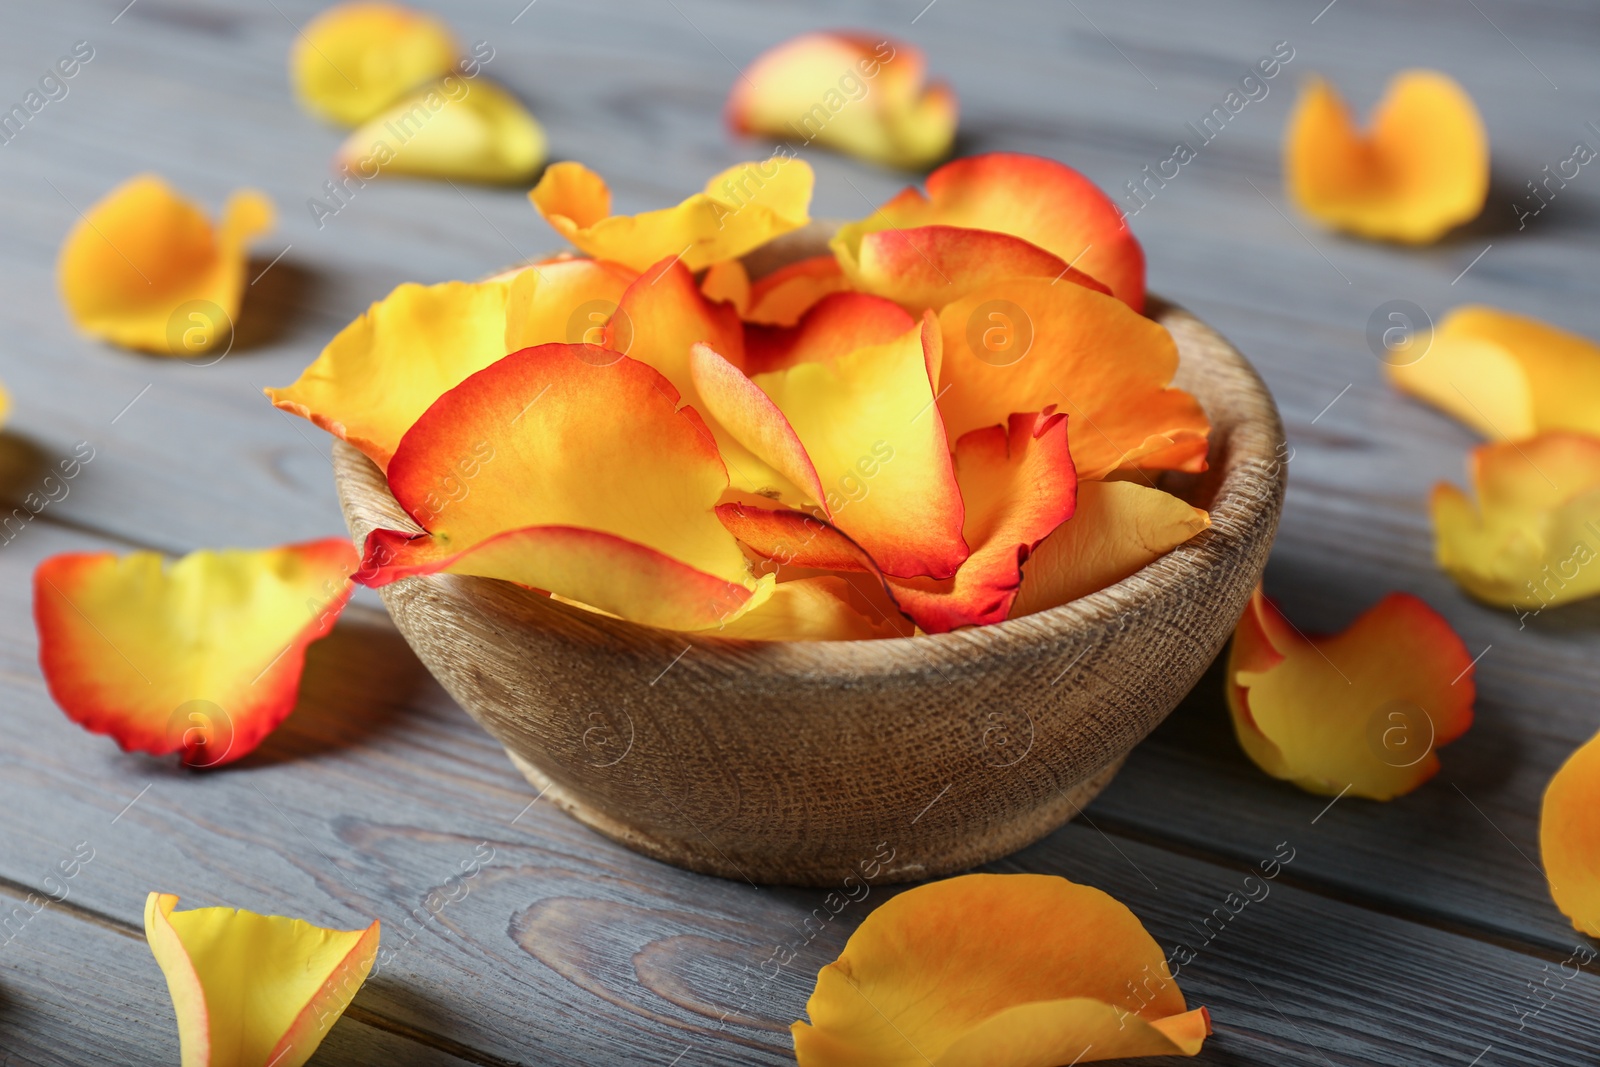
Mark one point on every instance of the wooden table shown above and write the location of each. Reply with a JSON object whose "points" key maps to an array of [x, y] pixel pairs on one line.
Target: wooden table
{"points": [[1413, 932]]}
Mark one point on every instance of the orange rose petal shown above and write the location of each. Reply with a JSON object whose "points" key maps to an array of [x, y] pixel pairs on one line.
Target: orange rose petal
{"points": [[1507, 376], [740, 209], [254, 990], [794, 539], [1569, 838], [1017, 486], [564, 467], [835, 326], [1422, 168], [200, 655], [749, 416], [144, 268], [1362, 710], [662, 317], [997, 970], [1028, 344], [850, 92], [1118, 528], [1042, 202], [780, 298], [469, 130], [930, 267], [354, 59], [868, 424], [381, 372], [1530, 539], [807, 609]]}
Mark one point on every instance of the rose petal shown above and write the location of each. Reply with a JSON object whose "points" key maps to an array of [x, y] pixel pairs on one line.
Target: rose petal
{"points": [[1535, 529], [471, 130], [1042, 202], [1362, 710], [742, 208], [807, 609], [780, 298], [202, 655], [1017, 485], [1118, 528], [568, 468], [795, 539], [145, 269], [381, 372], [662, 317], [355, 59], [1012, 970], [728, 283], [254, 990], [850, 92], [570, 301], [835, 326], [1421, 168], [1569, 838], [1506, 376], [867, 422], [1028, 344], [929, 267]]}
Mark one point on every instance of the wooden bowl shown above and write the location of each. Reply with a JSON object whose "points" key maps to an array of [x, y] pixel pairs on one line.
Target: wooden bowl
{"points": [[807, 763]]}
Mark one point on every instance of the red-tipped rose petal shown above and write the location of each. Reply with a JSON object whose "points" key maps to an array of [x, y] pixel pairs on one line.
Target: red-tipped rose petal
{"points": [[837, 325], [200, 655]]}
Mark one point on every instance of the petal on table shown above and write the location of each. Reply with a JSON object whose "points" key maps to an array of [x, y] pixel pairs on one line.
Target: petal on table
{"points": [[1040, 201], [861, 95], [381, 372], [1506, 376], [1119, 528], [354, 59], [740, 209], [1364, 710], [458, 128], [1028, 344], [200, 655], [569, 301], [563, 438], [1017, 486], [144, 268], [835, 326], [1532, 537], [869, 424], [1014, 970], [807, 609], [780, 298], [254, 990], [1421, 167], [929, 267], [1569, 838]]}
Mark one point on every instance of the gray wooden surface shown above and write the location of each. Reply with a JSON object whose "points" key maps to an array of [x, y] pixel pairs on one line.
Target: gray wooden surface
{"points": [[1401, 933]]}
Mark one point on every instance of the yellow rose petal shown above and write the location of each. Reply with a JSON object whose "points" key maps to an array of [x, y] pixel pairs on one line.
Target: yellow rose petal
{"points": [[144, 268], [457, 128], [254, 990], [355, 59]]}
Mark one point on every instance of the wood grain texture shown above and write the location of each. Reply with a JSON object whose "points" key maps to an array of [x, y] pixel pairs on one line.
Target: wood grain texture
{"points": [[1413, 928]]}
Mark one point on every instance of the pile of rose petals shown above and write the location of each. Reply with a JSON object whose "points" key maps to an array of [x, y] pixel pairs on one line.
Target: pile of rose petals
{"points": [[857, 445]]}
